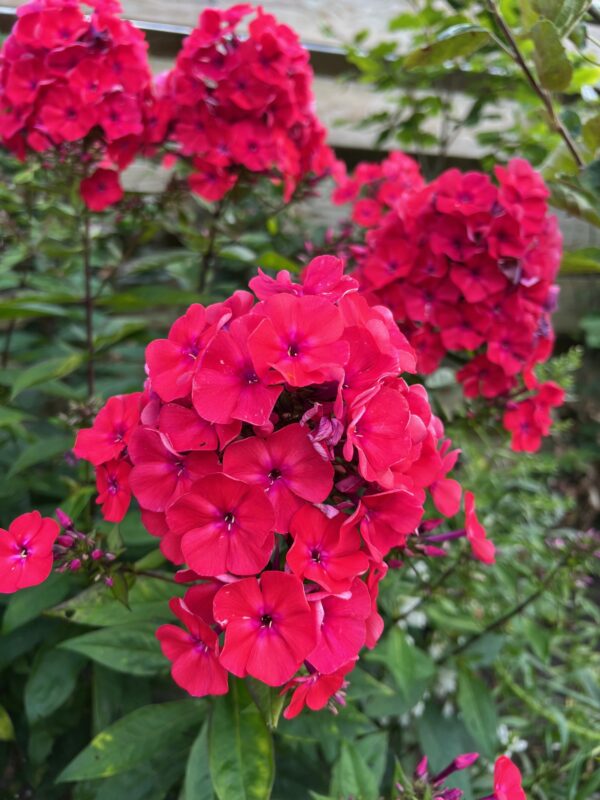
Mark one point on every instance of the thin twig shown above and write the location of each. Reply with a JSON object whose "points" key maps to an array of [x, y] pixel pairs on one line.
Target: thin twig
{"points": [[532, 80], [508, 615], [209, 253]]}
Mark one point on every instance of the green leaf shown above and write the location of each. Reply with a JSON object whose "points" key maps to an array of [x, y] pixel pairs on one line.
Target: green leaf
{"points": [[237, 252], [591, 327], [197, 784], [23, 309], [268, 699], [457, 41], [148, 600], [132, 649], [51, 683], [133, 739], [351, 777], [241, 755], [591, 133], [584, 261], [565, 14], [590, 178], [42, 450], [47, 370], [553, 67], [12, 256], [411, 668], [478, 711], [7, 732], [29, 603]]}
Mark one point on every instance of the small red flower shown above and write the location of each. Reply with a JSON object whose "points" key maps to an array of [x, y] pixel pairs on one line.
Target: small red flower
{"points": [[101, 190], [227, 526], [325, 551], [286, 466], [160, 474], [507, 780], [111, 431], [482, 547], [315, 690], [269, 627], [301, 339], [342, 626], [26, 551], [193, 651], [114, 494]]}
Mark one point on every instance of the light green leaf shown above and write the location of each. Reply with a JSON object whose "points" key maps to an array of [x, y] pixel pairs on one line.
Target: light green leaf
{"points": [[51, 683], [133, 739], [237, 252], [478, 711], [240, 747], [351, 776], [553, 67], [132, 649], [23, 309], [47, 370], [197, 784], [7, 732], [458, 41], [565, 14], [584, 261], [591, 133], [268, 699], [148, 600], [411, 668]]}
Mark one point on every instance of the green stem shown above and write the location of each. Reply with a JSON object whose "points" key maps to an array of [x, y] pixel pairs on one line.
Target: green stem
{"points": [[209, 253], [537, 88], [89, 305]]}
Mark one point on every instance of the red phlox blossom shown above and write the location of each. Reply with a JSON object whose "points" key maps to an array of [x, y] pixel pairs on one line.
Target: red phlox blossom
{"points": [[315, 690], [482, 547], [26, 551], [111, 431], [114, 493], [507, 780]]}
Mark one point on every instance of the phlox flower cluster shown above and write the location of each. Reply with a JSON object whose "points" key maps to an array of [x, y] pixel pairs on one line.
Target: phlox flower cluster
{"points": [[242, 101], [280, 456], [467, 267], [67, 77]]}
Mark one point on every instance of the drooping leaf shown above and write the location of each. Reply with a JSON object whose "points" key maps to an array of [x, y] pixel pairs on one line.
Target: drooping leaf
{"points": [[47, 370], [133, 739], [586, 260], [457, 41], [7, 732], [351, 777], [553, 66], [51, 683], [148, 600], [133, 649], [241, 755], [478, 712], [411, 668], [197, 785], [564, 14], [25, 605]]}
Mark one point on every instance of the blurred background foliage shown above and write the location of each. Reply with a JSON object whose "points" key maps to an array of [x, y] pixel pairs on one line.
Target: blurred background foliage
{"points": [[501, 659]]}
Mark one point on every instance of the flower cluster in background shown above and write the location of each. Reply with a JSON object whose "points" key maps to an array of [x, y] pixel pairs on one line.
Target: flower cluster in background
{"points": [[67, 78], [243, 102], [467, 268], [280, 457]]}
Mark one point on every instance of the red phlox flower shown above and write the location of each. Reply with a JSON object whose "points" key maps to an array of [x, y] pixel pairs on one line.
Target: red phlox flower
{"points": [[160, 474], [26, 551], [315, 690], [227, 526], [114, 494], [482, 547], [300, 338], [194, 652], [101, 190], [341, 621], [286, 466], [507, 780], [326, 551], [230, 383], [387, 518], [112, 429], [269, 627]]}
